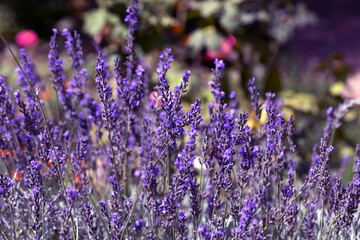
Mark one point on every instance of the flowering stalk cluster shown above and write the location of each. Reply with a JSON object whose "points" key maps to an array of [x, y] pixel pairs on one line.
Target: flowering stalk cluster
{"points": [[161, 172]]}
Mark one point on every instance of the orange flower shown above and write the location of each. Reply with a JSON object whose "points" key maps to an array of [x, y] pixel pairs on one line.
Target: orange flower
{"points": [[50, 164], [45, 95], [78, 182], [6, 152], [2, 153], [83, 164], [77, 179], [67, 84], [18, 175], [177, 28]]}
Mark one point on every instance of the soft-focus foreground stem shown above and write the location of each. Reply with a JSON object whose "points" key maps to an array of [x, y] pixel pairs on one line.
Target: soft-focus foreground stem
{"points": [[46, 126], [13, 220], [167, 170], [2, 234], [300, 224], [125, 172], [98, 213], [132, 210]]}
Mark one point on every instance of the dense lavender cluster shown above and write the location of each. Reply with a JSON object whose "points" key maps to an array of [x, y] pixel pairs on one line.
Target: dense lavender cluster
{"points": [[127, 166]]}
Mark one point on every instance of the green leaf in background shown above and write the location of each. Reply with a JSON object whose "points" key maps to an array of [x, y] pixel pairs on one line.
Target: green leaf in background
{"points": [[213, 40], [94, 21], [207, 37], [230, 17], [304, 102], [336, 88], [196, 40], [209, 8]]}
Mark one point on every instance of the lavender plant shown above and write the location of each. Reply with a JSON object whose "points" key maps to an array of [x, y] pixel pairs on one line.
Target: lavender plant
{"points": [[126, 167]]}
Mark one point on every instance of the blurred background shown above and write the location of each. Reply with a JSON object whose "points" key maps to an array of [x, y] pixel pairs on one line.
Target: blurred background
{"points": [[306, 51]]}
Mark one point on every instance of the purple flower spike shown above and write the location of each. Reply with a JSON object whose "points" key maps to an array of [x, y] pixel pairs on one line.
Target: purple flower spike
{"points": [[132, 20], [71, 194], [215, 82], [254, 98]]}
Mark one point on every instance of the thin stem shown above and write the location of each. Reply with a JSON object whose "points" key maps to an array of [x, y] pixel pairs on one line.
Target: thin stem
{"points": [[161, 154], [300, 192], [200, 203], [332, 136], [132, 210], [330, 226], [330, 233], [8, 170], [46, 124], [292, 200], [2, 234], [224, 216], [114, 162], [43, 218], [302, 220], [125, 172], [57, 106], [196, 218], [100, 215], [213, 211], [322, 216], [167, 171], [13, 221]]}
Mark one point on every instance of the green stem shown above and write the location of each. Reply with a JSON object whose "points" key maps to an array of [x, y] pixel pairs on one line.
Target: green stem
{"points": [[132, 210], [125, 172], [57, 106], [196, 218], [8, 170], [302, 220], [13, 221], [100, 215], [224, 217], [167, 186], [2, 234], [332, 136], [300, 192], [161, 154], [330, 226], [43, 217], [330, 233], [213, 211], [322, 216]]}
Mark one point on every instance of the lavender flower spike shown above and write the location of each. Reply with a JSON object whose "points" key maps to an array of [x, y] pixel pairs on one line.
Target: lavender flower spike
{"points": [[104, 90], [215, 83], [56, 64], [74, 49], [254, 98], [131, 19], [73, 46], [58, 76]]}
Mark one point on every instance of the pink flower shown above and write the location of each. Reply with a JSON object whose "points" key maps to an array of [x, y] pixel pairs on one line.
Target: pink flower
{"points": [[156, 100], [352, 87], [26, 38], [224, 51]]}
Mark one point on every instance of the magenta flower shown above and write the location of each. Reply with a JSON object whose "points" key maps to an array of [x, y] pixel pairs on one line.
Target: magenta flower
{"points": [[26, 38], [224, 52]]}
